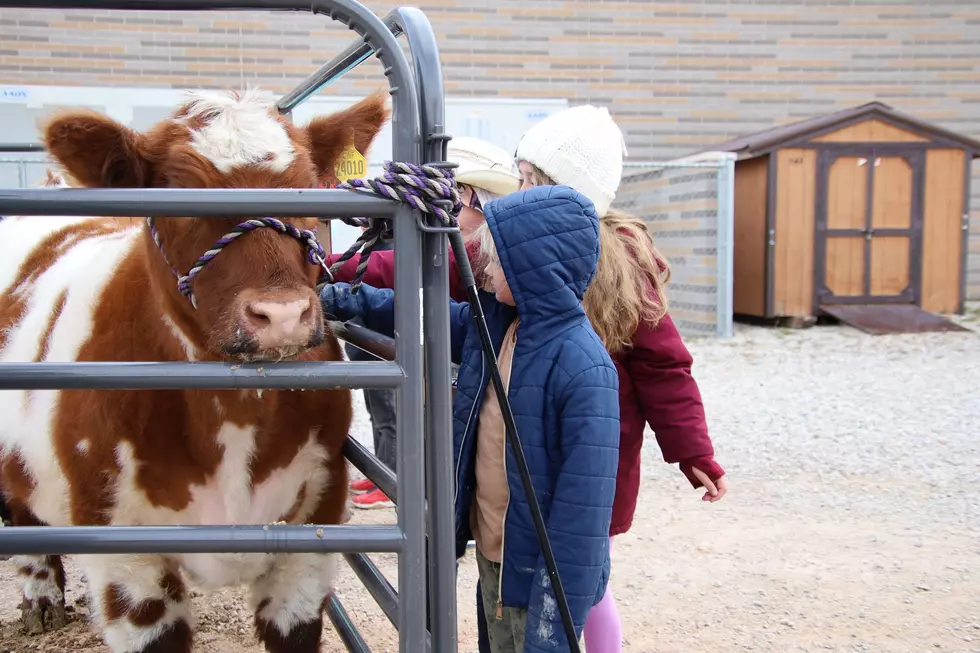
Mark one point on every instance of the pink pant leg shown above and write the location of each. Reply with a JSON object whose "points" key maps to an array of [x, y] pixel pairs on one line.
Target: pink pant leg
{"points": [[603, 628]]}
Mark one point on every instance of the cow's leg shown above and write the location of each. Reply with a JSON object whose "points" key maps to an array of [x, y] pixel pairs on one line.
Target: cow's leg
{"points": [[42, 580], [140, 603], [43, 587], [289, 599]]}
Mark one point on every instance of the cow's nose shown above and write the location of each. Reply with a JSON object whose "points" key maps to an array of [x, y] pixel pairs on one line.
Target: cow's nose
{"points": [[279, 324]]}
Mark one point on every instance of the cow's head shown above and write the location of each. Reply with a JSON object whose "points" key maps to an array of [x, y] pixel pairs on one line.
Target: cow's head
{"points": [[255, 300]]}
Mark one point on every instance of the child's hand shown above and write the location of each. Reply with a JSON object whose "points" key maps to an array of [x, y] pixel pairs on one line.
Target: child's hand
{"points": [[716, 490]]}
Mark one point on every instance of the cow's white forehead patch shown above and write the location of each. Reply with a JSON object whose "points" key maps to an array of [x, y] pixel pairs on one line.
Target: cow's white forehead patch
{"points": [[239, 130]]}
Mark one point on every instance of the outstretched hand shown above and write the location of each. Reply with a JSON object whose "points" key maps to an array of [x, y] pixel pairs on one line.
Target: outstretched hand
{"points": [[714, 490]]}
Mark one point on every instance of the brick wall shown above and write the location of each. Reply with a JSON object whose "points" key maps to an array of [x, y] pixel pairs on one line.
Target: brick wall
{"points": [[680, 207], [676, 76]]}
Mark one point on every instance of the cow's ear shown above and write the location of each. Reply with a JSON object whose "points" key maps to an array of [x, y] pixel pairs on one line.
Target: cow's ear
{"points": [[96, 150], [329, 135]]}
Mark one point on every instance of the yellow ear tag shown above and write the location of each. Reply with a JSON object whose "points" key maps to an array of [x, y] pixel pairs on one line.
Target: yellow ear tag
{"points": [[351, 164]]}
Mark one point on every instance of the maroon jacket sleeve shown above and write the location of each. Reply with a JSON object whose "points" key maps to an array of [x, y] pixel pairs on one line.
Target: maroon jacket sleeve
{"points": [[380, 271], [659, 365]]}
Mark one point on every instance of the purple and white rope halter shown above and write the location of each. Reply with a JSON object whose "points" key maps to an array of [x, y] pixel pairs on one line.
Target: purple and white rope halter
{"points": [[314, 250], [425, 188]]}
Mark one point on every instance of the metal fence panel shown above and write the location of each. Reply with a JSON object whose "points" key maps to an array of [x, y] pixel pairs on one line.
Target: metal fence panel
{"points": [[417, 127]]}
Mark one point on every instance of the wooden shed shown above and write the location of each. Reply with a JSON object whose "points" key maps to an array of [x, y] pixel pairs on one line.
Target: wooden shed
{"points": [[865, 206]]}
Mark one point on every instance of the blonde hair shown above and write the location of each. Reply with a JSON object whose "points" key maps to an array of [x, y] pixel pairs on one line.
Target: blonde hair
{"points": [[488, 257], [629, 285]]}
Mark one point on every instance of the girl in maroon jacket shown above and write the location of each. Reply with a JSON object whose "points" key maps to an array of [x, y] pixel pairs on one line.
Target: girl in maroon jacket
{"points": [[626, 303], [582, 147]]}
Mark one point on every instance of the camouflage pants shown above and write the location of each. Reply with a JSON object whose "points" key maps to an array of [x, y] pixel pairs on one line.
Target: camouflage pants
{"points": [[507, 631]]}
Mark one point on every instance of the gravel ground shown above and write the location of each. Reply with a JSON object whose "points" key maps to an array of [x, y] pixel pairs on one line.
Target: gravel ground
{"points": [[851, 524]]}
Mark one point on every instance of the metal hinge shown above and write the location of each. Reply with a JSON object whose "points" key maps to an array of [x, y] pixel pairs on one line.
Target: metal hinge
{"points": [[772, 238]]}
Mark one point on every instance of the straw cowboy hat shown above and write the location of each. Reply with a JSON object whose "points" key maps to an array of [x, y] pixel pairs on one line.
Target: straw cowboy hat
{"points": [[483, 165]]}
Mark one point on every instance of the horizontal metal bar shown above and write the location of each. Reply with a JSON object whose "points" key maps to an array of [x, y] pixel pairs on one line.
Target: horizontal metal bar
{"points": [[369, 341], [377, 585], [76, 540], [345, 628], [213, 376], [176, 5], [370, 466], [195, 202], [21, 147], [365, 339]]}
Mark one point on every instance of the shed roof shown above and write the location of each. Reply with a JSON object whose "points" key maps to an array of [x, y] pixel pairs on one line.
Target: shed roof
{"points": [[753, 145]]}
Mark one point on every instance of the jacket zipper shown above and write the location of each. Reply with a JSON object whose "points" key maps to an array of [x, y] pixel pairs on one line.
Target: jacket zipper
{"points": [[503, 525], [466, 429], [503, 535]]}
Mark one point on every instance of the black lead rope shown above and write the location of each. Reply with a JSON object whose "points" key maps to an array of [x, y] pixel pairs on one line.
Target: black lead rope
{"points": [[480, 321]]}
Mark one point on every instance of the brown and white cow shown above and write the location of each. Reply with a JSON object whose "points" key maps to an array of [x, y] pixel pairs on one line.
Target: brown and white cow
{"points": [[101, 289]]}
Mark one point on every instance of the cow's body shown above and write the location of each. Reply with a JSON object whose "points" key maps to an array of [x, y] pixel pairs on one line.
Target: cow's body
{"points": [[83, 289]]}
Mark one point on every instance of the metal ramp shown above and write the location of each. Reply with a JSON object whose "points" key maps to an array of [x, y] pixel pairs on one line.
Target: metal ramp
{"points": [[880, 319], [423, 489]]}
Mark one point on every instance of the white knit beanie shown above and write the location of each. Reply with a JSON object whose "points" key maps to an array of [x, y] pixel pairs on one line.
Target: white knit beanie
{"points": [[581, 147]]}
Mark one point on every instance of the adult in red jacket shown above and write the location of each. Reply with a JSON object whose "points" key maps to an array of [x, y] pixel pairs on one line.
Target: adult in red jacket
{"points": [[484, 172]]}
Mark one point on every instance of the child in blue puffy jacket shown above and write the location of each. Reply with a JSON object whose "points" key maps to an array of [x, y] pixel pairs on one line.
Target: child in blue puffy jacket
{"points": [[540, 248]]}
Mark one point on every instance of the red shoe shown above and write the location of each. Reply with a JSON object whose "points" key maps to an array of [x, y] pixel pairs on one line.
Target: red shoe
{"points": [[373, 499], [361, 486]]}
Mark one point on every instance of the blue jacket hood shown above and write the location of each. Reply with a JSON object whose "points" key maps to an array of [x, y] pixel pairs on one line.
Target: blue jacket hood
{"points": [[547, 239]]}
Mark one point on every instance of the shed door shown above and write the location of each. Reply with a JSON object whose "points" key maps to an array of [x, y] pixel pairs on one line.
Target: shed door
{"points": [[869, 226]]}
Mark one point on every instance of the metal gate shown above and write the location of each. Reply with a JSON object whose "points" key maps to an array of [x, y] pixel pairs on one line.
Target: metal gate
{"points": [[420, 372]]}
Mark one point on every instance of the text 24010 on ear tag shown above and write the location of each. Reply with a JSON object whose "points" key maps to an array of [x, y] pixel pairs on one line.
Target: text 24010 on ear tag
{"points": [[351, 164]]}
